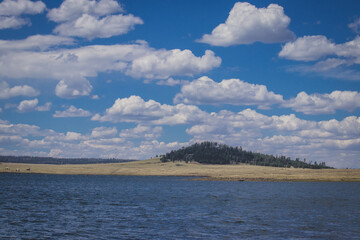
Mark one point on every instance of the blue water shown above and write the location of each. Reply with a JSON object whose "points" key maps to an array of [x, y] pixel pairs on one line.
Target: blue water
{"points": [[121, 207]]}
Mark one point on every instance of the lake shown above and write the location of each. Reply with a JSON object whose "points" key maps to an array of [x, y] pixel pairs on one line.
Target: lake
{"points": [[34, 206]]}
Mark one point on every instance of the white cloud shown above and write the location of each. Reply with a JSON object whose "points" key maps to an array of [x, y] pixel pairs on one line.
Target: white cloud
{"points": [[6, 128], [46, 107], [171, 82], [355, 26], [12, 22], [308, 48], [71, 88], [142, 131], [72, 111], [247, 24], [92, 19], [135, 109], [10, 11], [91, 27], [73, 136], [162, 64], [314, 48], [7, 92], [336, 142], [324, 103], [35, 42], [284, 135], [73, 9], [101, 132], [28, 105], [32, 105], [232, 91], [72, 66]]}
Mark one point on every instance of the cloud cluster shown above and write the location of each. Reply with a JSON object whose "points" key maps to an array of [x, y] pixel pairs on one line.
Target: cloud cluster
{"points": [[7, 92], [284, 135], [164, 63], [232, 91], [135, 109], [324, 103], [142, 131], [104, 132], [11, 11], [72, 66], [247, 24], [35, 42], [72, 111], [334, 60], [355, 26], [332, 141], [92, 19], [32, 105], [100, 142], [73, 87], [205, 91]]}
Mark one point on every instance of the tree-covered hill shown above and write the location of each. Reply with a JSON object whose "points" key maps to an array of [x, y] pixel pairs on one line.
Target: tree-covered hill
{"points": [[214, 153]]}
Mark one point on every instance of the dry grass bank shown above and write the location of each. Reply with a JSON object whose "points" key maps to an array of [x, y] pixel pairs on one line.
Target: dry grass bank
{"points": [[153, 167]]}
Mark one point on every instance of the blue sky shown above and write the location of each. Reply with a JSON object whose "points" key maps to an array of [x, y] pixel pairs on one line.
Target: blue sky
{"points": [[134, 79]]}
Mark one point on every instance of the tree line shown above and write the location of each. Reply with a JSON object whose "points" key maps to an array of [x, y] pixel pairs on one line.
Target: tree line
{"points": [[52, 160], [214, 153]]}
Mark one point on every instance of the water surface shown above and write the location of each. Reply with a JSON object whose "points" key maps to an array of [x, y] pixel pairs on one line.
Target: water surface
{"points": [[121, 207]]}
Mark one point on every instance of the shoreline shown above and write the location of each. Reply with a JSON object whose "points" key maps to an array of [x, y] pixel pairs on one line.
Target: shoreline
{"points": [[198, 172]]}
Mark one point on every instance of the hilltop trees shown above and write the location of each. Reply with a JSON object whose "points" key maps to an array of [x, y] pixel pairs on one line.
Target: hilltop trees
{"points": [[214, 153]]}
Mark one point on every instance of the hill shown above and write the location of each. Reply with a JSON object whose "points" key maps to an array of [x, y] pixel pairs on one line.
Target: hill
{"points": [[214, 153]]}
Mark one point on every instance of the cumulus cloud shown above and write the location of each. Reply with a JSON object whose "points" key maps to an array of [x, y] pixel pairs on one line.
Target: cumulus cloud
{"points": [[247, 24], [317, 48], [7, 92], [35, 42], [101, 132], [324, 103], [72, 66], [92, 19], [142, 131], [171, 82], [73, 9], [308, 48], [32, 105], [72, 111], [90, 27], [7, 128], [46, 107], [232, 91], [163, 63], [355, 26], [283, 135], [135, 109], [11, 10], [71, 88], [28, 105], [12, 22], [334, 141]]}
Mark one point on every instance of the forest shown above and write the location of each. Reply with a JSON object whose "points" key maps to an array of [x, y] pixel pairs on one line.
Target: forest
{"points": [[214, 153]]}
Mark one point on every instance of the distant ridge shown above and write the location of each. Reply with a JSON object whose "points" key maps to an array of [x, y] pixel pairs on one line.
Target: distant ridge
{"points": [[59, 161], [214, 153]]}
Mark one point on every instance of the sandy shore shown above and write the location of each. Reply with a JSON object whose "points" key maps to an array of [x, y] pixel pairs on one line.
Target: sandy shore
{"points": [[153, 167]]}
